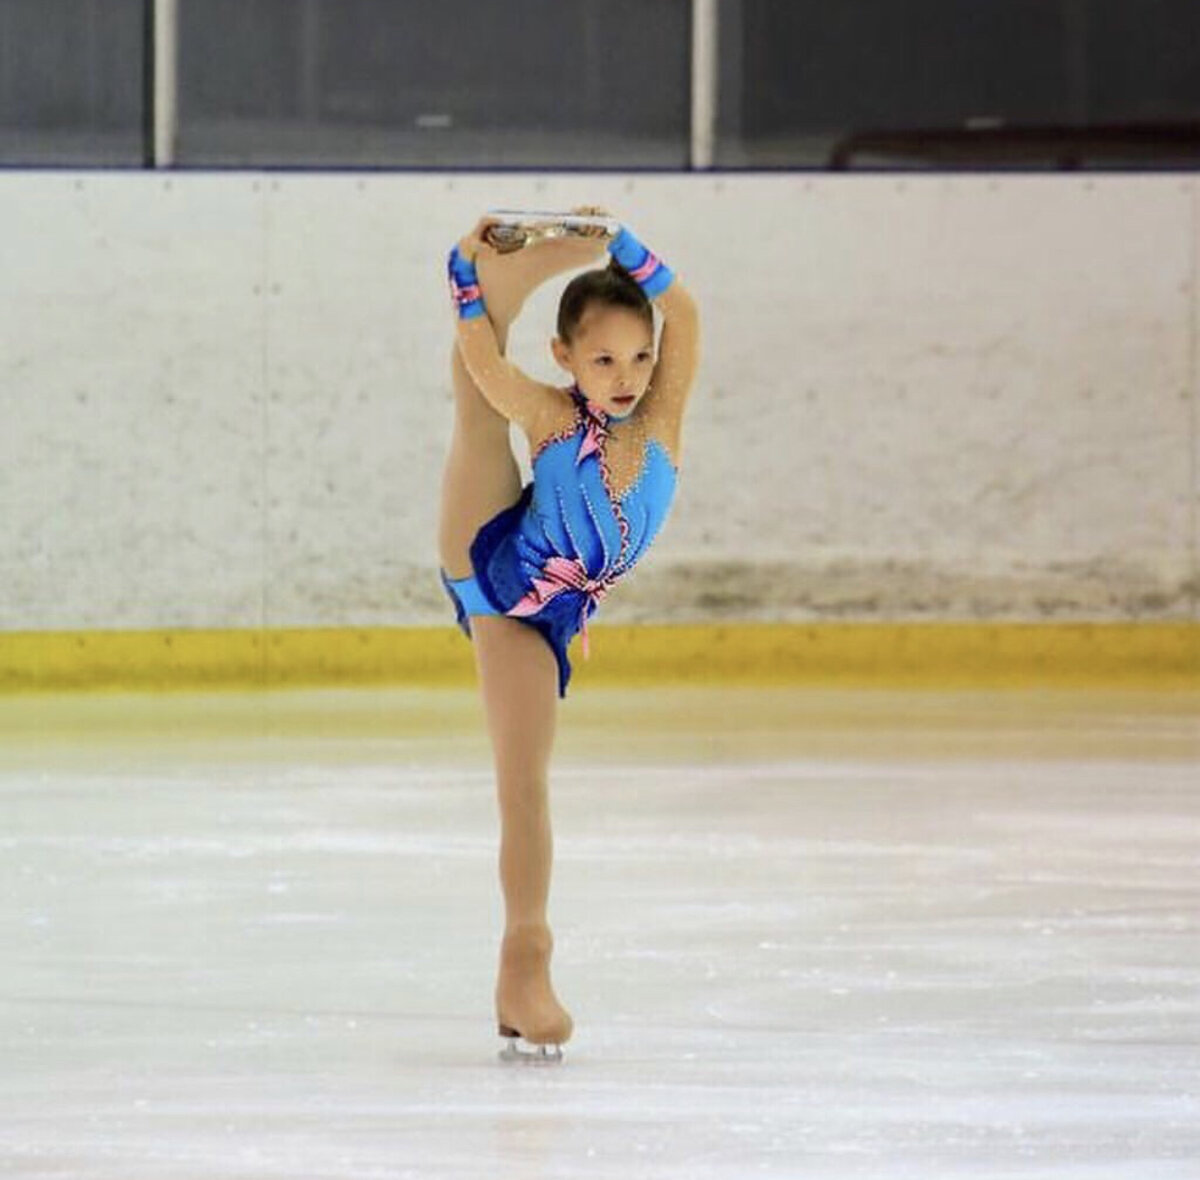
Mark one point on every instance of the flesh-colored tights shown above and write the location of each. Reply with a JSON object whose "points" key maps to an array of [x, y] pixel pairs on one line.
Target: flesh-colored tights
{"points": [[518, 675]]}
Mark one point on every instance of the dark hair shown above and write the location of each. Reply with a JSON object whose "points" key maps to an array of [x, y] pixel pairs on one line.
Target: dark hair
{"points": [[611, 287]]}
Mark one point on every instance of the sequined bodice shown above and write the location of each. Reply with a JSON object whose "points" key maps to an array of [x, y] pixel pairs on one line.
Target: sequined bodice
{"points": [[576, 511]]}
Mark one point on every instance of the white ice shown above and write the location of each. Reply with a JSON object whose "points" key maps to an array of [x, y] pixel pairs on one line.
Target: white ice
{"points": [[802, 934]]}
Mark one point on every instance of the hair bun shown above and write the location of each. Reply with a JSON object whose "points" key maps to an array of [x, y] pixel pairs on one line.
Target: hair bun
{"points": [[621, 274]]}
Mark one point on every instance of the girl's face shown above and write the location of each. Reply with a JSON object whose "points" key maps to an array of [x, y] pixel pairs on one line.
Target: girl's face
{"points": [[611, 357]]}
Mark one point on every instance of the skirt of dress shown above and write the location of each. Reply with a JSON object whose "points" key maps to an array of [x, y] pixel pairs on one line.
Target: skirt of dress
{"points": [[503, 580]]}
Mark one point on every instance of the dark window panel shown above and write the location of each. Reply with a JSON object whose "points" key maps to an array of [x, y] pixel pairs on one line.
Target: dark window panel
{"points": [[72, 84], [536, 83], [878, 63], [1143, 60], [1016, 83]]}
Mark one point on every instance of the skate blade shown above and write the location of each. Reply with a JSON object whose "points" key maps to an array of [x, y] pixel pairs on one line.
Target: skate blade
{"points": [[514, 229], [555, 222], [519, 1051]]}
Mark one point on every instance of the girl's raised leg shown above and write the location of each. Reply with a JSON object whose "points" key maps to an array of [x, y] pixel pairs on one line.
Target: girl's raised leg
{"points": [[481, 475]]}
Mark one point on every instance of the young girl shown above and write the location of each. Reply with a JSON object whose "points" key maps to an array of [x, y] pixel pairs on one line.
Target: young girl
{"points": [[526, 567]]}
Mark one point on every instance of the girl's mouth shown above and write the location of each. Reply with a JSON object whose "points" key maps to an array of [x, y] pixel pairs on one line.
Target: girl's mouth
{"points": [[625, 400]]}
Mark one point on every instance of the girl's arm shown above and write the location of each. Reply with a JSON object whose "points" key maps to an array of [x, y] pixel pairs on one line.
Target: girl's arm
{"points": [[679, 346], [678, 359], [508, 390]]}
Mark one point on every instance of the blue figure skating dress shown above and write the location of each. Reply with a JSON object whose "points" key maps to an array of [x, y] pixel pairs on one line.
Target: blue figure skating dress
{"points": [[551, 557]]}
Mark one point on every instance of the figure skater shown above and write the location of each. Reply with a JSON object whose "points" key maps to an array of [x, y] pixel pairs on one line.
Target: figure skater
{"points": [[525, 567]]}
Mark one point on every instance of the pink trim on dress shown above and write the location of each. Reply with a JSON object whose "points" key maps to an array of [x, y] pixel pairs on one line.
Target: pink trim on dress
{"points": [[595, 434], [562, 574]]}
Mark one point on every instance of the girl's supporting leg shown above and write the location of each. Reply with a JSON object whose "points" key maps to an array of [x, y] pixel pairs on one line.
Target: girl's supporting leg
{"points": [[519, 679]]}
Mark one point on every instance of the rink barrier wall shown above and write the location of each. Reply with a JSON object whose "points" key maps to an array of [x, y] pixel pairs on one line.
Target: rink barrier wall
{"points": [[1148, 655], [929, 397]]}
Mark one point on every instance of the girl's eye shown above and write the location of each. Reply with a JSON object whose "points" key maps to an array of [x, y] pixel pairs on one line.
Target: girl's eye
{"points": [[604, 360], [643, 357]]}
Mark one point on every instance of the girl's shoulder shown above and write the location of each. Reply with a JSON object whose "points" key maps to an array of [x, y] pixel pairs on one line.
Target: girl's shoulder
{"points": [[558, 420], [664, 429]]}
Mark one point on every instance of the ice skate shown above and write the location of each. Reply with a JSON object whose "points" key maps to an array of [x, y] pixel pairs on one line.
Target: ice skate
{"points": [[514, 229], [522, 1052], [528, 1015]]}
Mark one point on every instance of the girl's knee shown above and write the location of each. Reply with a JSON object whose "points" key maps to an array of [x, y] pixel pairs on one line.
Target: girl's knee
{"points": [[524, 791]]}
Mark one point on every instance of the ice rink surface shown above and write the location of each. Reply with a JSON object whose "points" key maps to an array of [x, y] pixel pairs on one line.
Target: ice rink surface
{"points": [[802, 933]]}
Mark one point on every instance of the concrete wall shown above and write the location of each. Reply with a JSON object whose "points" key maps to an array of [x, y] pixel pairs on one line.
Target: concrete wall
{"points": [[225, 400]]}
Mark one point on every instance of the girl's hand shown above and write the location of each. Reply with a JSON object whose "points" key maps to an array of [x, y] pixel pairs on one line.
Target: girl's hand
{"points": [[471, 245], [593, 231]]}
